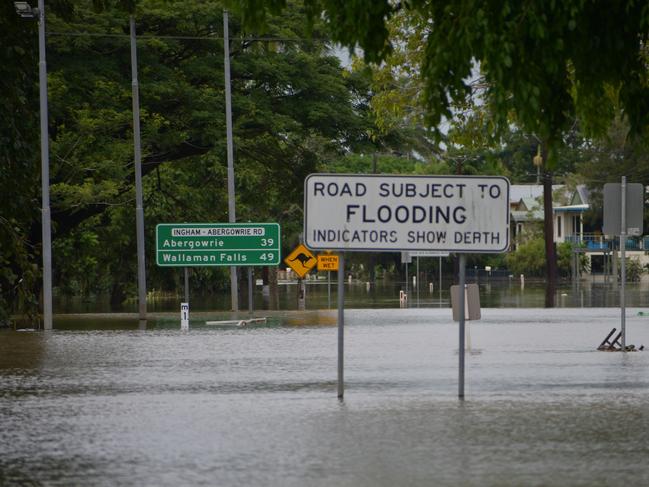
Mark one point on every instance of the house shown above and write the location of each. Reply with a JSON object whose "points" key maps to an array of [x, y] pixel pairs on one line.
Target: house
{"points": [[526, 209], [569, 207]]}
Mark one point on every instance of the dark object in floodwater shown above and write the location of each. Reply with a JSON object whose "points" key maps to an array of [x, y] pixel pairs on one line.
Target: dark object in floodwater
{"points": [[606, 344], [615, 345]]}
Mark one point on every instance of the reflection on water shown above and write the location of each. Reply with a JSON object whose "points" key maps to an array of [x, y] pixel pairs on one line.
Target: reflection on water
{"points": [[100, 401], [321, 295]]}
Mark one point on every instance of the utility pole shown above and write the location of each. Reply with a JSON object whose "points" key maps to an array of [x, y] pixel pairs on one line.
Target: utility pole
{"points": [[139, 205], [45, 172], [25, 11], [232, 217]]}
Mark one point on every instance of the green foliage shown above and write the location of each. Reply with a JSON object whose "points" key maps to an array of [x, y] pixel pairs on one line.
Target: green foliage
{"points": [[19, 164], [528, 258], [545, 63], [364, 163], [294, 111], [565, 256], [634, 270]]}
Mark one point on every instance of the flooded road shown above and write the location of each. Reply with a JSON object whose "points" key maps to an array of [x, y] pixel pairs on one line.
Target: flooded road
{"points": [[320, 295], [104, 401]]}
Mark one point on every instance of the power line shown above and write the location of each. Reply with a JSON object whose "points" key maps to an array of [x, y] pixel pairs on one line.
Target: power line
{"points": [[198, 38]]}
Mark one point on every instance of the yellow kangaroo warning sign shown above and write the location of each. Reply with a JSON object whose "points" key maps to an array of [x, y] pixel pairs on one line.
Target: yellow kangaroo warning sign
{"points": [[301, 260], [327, 262]]}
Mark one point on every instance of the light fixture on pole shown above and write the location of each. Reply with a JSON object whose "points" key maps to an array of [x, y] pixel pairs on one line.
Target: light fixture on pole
{"points": [[24, 10], [538, 162]]}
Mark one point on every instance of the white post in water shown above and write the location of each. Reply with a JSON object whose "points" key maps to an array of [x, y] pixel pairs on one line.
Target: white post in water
{"points": [[232, 217], [184, 316], [462, 283], [623, 263], [341, 324]]}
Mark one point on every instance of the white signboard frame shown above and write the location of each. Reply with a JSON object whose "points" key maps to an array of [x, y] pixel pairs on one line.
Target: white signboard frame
{"points": [[392, 213]]}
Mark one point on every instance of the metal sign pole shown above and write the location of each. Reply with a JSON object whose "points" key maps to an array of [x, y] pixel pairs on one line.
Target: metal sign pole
{"points": [[328, 289], [462, 299], [623, 264], [250, 290], [440, 280], [417, 281], [341, 324], [186, 285], [406, 284]]}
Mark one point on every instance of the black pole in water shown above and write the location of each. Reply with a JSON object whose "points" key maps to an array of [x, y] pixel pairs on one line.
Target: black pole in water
{"points": [[461, 301], [406, 284]]}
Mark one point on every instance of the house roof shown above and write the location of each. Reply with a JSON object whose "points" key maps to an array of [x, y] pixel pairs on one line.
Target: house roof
{"points": [[570, 208], [520, 191], [581, 195], [529, 204], [529, 207]]}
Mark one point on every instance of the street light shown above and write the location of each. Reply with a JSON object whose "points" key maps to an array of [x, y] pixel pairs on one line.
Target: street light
{"points": [[24, 10]]}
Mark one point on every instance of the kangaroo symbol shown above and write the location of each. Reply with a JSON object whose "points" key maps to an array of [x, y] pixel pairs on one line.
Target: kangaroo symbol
{"points": [[302, 257]]}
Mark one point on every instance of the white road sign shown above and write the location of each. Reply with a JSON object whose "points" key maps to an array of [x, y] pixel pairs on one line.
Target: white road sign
{"points": [[429, 253], [393, 213]]}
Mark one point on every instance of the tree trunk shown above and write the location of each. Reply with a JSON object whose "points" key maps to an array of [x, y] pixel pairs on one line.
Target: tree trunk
{"points": [[550, 249]]}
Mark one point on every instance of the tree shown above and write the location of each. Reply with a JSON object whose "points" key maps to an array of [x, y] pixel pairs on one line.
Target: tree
{"points": [[537, 59], [294, 111], [19, 161]]}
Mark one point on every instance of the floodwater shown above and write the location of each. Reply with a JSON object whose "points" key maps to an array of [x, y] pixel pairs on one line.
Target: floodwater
{"points": [[104, 401], [322, 295]]}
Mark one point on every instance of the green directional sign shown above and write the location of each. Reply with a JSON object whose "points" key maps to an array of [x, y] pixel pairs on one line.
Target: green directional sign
{"points": [[217, 244]]}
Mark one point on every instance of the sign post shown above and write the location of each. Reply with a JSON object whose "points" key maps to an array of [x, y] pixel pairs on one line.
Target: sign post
{"points": [[301, 261], [380, 213], [328, 262], [623, 258], [186, 284], [623, 215], [341, 326], [217, 244], [462, 282]]}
